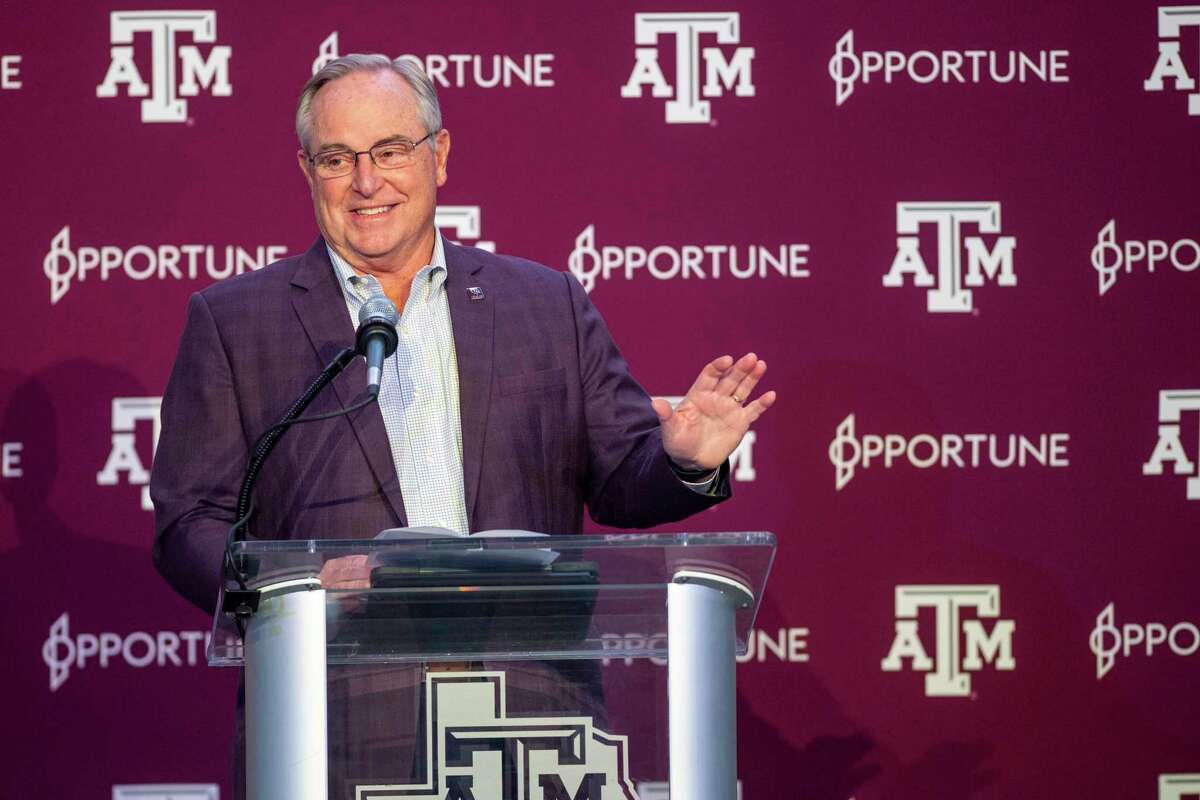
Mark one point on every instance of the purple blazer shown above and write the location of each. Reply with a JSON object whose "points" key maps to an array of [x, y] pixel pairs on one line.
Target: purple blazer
{"points": [[551, 418]]}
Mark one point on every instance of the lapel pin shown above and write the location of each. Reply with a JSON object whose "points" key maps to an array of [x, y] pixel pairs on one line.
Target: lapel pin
{"points": [[475, 292]]}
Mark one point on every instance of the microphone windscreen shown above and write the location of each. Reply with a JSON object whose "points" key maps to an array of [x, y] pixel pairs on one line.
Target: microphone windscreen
{"points": [[378, 309]]}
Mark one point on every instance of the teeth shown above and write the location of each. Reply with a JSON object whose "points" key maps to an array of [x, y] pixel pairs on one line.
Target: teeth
{"points": [[370, 212]]}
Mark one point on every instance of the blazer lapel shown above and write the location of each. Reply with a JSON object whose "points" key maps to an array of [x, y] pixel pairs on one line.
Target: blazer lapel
{"points": [[321, 308], [472, 315]]}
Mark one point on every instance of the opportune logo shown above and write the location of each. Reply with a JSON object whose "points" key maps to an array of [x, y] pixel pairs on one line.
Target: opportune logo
{"points": [[789, 645], [721, 74], [1171, 22], [847, 67], [10, 459], [10, 71], [983, 263], [63, 651], [1178, 786], [848, 452], [463, 224], [1110, 256], [476, 744], [64, 265], [461, 69], [126, 413], [1108, 640], [589, 262], [1169, 448], [949, 676], [196, 72]]}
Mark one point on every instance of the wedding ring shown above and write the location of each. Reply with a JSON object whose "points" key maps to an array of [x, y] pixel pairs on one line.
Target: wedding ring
{"points": [[737, 399]]}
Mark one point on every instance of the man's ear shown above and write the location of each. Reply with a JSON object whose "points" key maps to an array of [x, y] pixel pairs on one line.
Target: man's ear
{"points": [[443, 155]]}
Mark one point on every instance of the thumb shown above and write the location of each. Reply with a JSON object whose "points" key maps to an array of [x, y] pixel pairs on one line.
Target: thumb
{"points": [[662, 408]]}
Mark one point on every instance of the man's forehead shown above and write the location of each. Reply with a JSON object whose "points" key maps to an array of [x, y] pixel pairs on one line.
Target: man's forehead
{"points": [[370, 106]]}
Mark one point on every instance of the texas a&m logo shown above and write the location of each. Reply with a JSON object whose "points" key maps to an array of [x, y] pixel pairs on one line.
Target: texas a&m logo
{"points": [[463, 225], [721, 73], [196, 71], [479, 751], [1169, 447], [1178, 786], [984, 262], [1171, 22], [126, 413], [947, 673]]}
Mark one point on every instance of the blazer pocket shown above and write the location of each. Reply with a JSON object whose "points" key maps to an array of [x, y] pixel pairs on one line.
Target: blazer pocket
{"points": [[531, 381]]}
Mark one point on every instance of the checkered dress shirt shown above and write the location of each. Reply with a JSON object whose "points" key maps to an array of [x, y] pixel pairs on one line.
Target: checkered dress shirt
{"points": [[418, 396]]}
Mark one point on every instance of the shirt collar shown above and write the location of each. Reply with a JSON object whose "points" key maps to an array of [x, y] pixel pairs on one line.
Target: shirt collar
{"points": [[435, 270]]}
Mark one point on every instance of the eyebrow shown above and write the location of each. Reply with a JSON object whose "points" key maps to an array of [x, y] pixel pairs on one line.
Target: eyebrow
{"points": [[326, 148]]}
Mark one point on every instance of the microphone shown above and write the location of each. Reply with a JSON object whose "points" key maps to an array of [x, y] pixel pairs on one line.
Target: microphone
{"points": [[376, 338]]}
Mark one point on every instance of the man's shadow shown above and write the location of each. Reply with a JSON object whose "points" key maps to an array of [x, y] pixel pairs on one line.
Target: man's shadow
{"points": [[822, 755], [76, 558]]}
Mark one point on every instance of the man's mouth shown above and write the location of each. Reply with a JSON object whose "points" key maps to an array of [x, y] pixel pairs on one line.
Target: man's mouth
{"points": [[372, 211]]}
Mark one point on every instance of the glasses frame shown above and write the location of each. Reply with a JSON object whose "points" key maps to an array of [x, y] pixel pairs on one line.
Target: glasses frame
{"points": [[312, 160]]}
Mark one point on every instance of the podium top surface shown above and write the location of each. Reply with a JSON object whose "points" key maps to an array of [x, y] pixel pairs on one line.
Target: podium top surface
{"points": [[426, 538], [499, 595]]}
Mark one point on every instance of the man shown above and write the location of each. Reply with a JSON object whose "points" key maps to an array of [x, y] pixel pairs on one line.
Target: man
{"points": [[506, 404]]}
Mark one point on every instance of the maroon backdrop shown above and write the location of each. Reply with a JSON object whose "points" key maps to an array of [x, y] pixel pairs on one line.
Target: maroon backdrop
{"points": [[963, 234]]}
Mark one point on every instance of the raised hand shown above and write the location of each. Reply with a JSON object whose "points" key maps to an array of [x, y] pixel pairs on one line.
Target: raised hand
{"points": [[711, 420]]}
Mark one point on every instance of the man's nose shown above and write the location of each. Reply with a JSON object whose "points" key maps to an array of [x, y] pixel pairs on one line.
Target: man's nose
{"points": [[366, 175]]}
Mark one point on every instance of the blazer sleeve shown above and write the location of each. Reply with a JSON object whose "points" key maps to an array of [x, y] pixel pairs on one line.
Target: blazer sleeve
{"points": [[198, 463], [630, 481]]}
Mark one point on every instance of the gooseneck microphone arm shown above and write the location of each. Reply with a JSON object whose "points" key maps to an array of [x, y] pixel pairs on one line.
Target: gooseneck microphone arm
{"points": [[376, 339], [241, 603], [266, 443]]}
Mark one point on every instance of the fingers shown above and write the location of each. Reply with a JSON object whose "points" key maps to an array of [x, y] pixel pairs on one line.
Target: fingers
{"points": [[708, 378], [755, 410], [735, 379], [662, 408], [734, 376], [746, 388], [346, 572]]}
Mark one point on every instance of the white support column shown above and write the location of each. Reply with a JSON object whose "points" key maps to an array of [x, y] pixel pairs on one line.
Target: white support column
{"points": [[702, 696], [286, 747]]}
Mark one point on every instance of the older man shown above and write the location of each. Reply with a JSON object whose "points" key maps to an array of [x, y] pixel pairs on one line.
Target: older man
{"points": [[506, 404]]}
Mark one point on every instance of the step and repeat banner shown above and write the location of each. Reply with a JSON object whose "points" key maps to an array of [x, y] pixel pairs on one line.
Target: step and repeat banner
{"points": [[962, 234]]}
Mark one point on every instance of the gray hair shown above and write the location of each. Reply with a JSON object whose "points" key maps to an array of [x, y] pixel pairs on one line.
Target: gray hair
{"points": [[409, 69]]}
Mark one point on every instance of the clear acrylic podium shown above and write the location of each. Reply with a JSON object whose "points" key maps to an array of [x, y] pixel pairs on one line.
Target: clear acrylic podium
{"points": [[431, 620]]}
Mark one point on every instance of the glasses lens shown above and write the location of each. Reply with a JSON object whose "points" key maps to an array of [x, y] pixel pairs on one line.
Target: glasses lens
{"points": [[392, 154], [331, 165]]}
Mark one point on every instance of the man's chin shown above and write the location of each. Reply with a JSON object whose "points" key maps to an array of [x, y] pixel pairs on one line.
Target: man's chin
{"points": [[376, 249], [373, 251]]}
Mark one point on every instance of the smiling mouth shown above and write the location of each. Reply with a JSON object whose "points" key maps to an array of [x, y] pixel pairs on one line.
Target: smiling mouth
{"points": [[374, 211]]}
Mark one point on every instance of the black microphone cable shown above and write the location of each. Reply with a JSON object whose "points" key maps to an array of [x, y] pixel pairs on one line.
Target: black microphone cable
{"points": [[375, 339]]}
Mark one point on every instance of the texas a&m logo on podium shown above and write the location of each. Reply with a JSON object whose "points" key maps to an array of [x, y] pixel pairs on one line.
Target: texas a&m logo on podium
{"points": [[479, 751]]}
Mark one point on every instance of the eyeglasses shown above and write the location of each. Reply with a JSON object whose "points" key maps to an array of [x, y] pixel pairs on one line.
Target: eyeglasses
{"points": [[388, 155]]}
